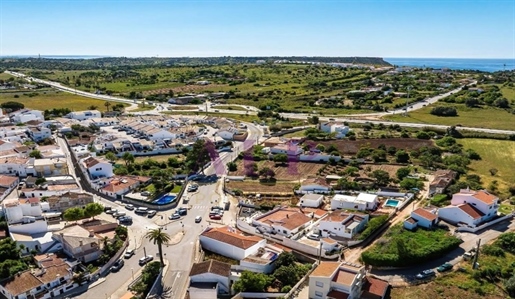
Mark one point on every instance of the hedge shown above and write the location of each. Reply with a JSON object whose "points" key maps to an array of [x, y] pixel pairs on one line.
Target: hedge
{"points": [[372, 226]]}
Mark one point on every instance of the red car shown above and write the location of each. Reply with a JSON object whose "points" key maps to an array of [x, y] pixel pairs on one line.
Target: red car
{"points": [[215, 217]]}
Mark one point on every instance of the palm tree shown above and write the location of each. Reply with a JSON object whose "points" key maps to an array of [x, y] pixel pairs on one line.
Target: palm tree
{"points": [[128, 158], [107, 104], [158, 237]]}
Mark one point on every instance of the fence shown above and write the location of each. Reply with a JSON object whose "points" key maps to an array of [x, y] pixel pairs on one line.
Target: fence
{"points": [[476, 229]]}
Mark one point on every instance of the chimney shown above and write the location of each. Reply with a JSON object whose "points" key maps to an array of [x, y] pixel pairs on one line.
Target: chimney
{"points": [[80, 243], [91, 233]]}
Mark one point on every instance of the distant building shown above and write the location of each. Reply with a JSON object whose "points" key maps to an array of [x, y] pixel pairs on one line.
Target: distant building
{"points": [[83, 115], [362, 202], [340, 130], [442, 179], [25, 115]]}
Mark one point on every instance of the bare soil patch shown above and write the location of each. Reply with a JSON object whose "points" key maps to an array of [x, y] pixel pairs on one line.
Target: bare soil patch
{"points": [[290, 172], [350, 147], [254, 187]]}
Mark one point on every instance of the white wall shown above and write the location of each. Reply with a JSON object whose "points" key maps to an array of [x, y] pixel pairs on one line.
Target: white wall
{"points": [[454, 214], [101, 170], [36, 227], [229, 250], [223, 282]]}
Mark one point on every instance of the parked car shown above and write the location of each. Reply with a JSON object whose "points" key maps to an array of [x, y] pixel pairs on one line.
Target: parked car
{"points": [[198, 219], [117, 265], [182, 211], [129, 207], [174, 216], [119, 214], [444, 267], [192, 188], [125, 220], [107, 209], [426, 274], [129, 253], [313, 236], [145, 259], [468, 255], [145, 193], [112, 211], [141, 210], [151, 213], [215, 217]]}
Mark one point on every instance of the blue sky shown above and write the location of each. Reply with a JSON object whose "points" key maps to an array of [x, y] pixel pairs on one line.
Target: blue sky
{"points": [[428, 28]]}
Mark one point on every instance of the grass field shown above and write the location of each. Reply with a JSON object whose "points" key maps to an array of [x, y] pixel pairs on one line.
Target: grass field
{"points": [[229, 107], [53, 99], [498, 154], [4, 76], [486, 117]]}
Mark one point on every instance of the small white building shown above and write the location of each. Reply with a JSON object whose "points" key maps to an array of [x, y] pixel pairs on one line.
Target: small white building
{"points": [[24, 116], [283, 221], [97, 167], [83, 115], [314, 185], [311, 200], [424, 217], [342, 224], [289, 149], [24, 216], [212, 271], [7, 184], [362, 202], [39, 133], [339, 129], [227, 242]]}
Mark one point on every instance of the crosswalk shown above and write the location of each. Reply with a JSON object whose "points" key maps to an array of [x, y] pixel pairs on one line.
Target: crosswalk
{"points": [[200, 207]]}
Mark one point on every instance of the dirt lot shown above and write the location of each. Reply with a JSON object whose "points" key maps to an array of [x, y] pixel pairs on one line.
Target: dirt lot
{"points": [[251, 187], [350, 147], [391, 169], [290, 172], [184, 89]]}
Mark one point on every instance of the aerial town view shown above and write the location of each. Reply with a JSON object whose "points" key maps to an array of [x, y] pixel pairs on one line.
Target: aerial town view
{"points": [[257, 149]]}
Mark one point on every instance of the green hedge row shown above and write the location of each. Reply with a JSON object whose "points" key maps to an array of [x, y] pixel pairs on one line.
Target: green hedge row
{"points": [[372, 226]]}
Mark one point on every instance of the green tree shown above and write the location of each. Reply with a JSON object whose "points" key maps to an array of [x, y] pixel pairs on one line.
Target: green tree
{"points": [[36, 154], [158, 237], [509, 285], [107, 104], [252, 282], [287, 275], [382, 177], [285, 259], [111, 156], [40, 181], [281, 158], [351, 170], [93, 209], [403, 172], [13, 106], [128, 158], [199, 155], [410, 183], [73, 214], [232, 166], [122, 232], [320, 147], [379, 155]]}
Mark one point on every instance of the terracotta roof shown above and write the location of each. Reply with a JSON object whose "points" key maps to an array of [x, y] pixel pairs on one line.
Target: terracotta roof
{"points": [[411, 220], [120, 184], [48, 260], [29, 200], [6, 180], [90, 162], [337, 295], [329, 240], [374, 288], [326, 269], [21, 283], [344, 277], [211, 266], [485, 197], [336, 217], [425, 214], [286, 217], [223, 234], [471, 211], [52, 272]]}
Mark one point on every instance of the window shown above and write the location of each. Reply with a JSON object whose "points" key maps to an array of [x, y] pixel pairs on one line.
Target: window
{"points": [[318, 294], [320, 284]]}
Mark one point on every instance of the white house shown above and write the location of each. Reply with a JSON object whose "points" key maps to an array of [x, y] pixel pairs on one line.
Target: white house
{"points": [[342, 224], [39, 133], [16, 166], [283, 221], [311, 200], [338, 280], [97, 167], [83, 115], [314, 185], [212, 271], [362, 202], [24, 216], [227, 242], [7, 184], [289, 149], [119, 186], [331, 127], [470, 207], [24, 116], [423, 217], [231, 133]]}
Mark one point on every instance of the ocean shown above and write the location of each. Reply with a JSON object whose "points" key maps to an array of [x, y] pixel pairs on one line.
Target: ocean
{"points": [[55, 56], [485, 65]]}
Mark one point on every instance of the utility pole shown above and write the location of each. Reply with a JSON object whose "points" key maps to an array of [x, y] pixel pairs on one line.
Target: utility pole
{"points": [[407, 100], [474, 265]]}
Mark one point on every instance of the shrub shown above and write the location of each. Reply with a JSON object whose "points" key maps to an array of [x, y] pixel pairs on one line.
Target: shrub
{"points": [[439, 200], [444, 111], [372, 226], [493, 250]]}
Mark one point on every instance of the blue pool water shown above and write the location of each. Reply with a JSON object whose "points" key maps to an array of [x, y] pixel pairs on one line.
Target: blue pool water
{"points": [[391, 203], [165, 199]]}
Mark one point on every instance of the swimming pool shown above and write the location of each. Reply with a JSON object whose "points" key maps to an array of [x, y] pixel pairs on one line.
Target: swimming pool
{"points": [[165, 199], [391, 203]]}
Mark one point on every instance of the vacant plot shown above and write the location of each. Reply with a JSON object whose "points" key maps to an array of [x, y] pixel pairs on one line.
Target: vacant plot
{"points": [[253, 187], [158, 158], [495, 154], [485, 117], [436, 290], [350, 147], [43, 100], [290, 172], [391, 169]]}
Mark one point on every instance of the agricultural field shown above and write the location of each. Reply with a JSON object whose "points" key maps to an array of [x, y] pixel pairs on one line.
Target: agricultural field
{"points": [[495, 154], [47, 99], [484, 117], [351, 147], [290, 172], [255, 187]]}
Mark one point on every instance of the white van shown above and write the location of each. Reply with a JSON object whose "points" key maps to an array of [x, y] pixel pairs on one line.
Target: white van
{"points": [[141, 210]]}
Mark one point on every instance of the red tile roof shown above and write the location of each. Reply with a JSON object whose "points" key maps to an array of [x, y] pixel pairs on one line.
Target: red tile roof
{"points": [[6, 180], [471, 211], [337, 295], [425, 214], [225, 235], [374, 288], [211, 266], [326, 269], [485, 197]]}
